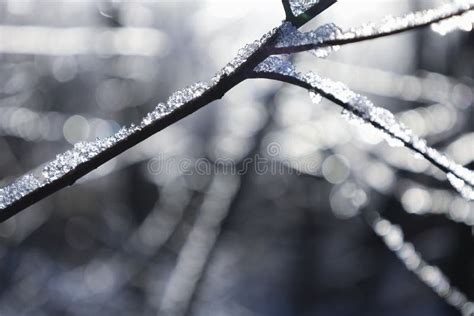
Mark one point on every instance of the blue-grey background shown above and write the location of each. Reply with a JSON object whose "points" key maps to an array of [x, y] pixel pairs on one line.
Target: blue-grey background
{"points": [[131, 239]]}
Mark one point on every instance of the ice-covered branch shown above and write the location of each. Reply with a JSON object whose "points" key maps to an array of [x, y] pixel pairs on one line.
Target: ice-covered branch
{"points": [[444, 19], [87, 156], [197, 249], [359, 108]]}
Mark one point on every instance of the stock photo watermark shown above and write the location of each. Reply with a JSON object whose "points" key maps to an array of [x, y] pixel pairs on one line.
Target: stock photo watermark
{"points": [[270, 162]]}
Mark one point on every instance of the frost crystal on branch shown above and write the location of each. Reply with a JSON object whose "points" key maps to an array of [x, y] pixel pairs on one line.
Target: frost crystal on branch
{"points": [[392, 24], [466, 190], [85, 151], [396, 133], [301, 6], [278, 65], [359, 107], [444, 19], [242, 56], [462, 22], [289, 36]]}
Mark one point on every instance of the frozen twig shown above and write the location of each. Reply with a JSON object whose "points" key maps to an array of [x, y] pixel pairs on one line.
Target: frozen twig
{"points": [[444, 19], [360, 108], [85, 157]]}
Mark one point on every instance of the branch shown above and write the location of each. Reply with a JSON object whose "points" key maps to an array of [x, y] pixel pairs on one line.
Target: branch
{"points": [[360, 107], [293, 41], [314, 11], [62, 172], [85, 157], [306, 16]]}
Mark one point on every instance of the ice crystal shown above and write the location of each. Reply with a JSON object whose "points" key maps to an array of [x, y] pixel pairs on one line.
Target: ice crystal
{"points": [[462, 22], [242, 56], [85, 151], [465, 189], [432, 276], [185, 95], [395, 132], [281, 65], [316, 98], [300, 6], [289, 36], [392, 24]]}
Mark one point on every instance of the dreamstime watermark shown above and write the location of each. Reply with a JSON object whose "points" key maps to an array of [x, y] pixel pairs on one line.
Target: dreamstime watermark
{"points": [[271, 162]]}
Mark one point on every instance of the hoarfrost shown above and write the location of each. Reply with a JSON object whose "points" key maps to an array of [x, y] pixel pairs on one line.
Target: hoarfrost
{"points": [[465, 189], [359, 108], [444, 19], [242, 56], [289, 36], [277, 64]]}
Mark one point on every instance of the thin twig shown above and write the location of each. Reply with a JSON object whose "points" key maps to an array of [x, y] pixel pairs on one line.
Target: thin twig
{"points": [[409, 144], [339, 41], [217, 91]]}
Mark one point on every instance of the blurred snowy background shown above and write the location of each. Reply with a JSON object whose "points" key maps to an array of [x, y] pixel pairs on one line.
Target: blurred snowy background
{"points": [[131, 239]]}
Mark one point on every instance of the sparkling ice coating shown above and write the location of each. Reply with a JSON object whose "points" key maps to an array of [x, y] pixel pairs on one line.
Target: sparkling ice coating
{"points": [[83, 152], [451, 16], [359, 108]]}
